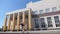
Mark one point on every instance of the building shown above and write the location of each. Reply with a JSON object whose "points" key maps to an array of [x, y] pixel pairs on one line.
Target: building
{"points": [[40, 15]]}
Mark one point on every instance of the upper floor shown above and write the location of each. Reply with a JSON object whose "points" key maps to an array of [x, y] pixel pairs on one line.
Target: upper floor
{"points": [[40, 7]]}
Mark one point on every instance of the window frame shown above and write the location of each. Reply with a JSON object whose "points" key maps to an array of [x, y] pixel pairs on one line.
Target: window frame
{"points": [[47, 10], [41, 11], [57, 23], [43, 21], [35, 12], [49, 24], [54, 8], [36, 22]]}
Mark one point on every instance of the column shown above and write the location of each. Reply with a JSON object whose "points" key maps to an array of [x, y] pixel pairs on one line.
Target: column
{"points": [[13, 25], [23, 20], [5, 21], [18, 22], [53, 22], [8, 23], [46, 23], [29, 20], [59, 18]]}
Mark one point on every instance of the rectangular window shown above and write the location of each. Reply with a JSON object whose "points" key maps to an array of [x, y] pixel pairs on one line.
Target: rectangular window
{"points": [[36, 23], [56, 19], [59, 6], [49, 22], [47, 10], [35, 12], [54, 8], [42, 22], [57, 22], [41, 11]]}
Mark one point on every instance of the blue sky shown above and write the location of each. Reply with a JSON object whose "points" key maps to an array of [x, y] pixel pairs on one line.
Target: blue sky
{"points": [[11, 5]]}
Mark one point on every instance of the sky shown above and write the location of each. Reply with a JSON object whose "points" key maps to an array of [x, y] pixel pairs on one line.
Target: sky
{"points": [[11, 5]]}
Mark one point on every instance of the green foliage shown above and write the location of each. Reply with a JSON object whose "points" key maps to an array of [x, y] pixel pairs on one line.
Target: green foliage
{"points": [[0, 29]]}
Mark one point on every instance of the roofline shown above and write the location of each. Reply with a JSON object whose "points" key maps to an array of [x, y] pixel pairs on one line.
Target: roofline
{"points": [[17, 11]]}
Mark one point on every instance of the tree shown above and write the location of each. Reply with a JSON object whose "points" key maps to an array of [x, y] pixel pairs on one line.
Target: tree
{"points": [[0, 29]]}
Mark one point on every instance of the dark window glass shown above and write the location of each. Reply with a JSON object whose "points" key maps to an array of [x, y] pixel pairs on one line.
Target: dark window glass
{"points": [[41, 11], [54, 8], [42, 22], [49, 22], [56, 19], [36, 23], [57, 22], [58, 25], [59, 6], [47, 10], [35, 12]]}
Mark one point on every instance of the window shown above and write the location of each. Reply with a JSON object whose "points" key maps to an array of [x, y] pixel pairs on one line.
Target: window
{"points": [[42, 22], [35, 12], [57, 22], [59, 6], [47, 10], [49, 22], [54, 8], [36, 23], [56, 19], [41, 11]]}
